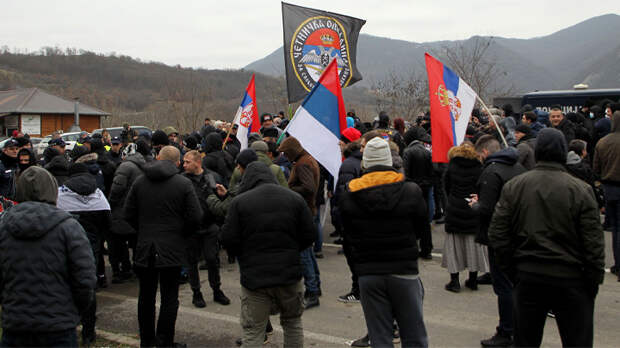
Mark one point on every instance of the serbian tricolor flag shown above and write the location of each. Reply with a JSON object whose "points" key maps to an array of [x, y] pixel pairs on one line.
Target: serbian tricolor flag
{"points": [[452, 101], [247, 115], [320, 120]]}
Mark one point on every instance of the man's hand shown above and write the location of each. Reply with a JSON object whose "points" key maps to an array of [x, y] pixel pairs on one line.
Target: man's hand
{"points": [[220, 190]]}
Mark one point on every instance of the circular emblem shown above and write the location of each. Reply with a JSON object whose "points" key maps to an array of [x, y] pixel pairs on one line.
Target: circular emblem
{"points": [[316, 42], [447, 98]]}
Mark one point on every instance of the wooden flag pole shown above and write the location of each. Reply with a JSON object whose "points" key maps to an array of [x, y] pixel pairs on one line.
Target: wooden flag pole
{"points": [[228, 134], [501, 134]]}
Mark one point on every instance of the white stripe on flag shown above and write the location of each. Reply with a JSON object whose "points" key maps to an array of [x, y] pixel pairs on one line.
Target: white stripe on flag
{"points": [[242, 132], [467, 96]]}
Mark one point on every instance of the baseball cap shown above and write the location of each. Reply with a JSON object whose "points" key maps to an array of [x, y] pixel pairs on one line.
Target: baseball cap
{"points": [[11, 143], [57, 142], [116, 140]]}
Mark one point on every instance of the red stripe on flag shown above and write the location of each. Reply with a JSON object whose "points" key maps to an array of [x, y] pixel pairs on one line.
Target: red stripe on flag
{"points": [[441, 124], [251, 90], [330, 80]]}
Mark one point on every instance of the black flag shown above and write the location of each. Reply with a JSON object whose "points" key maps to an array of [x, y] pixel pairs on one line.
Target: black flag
{"points": [[312, 39]]}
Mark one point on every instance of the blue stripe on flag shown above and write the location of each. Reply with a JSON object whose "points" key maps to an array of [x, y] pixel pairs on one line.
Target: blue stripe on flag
{"points": [[247, 100], [452, 84], [323, 106]]}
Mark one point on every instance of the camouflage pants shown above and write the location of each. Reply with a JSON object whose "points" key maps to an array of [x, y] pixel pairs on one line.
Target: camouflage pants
{"points": [[257, 305]]}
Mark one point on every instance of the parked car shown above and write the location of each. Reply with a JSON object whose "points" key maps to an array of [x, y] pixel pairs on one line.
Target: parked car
{"points": [[33, 140], [69, 139], [116, 131]]}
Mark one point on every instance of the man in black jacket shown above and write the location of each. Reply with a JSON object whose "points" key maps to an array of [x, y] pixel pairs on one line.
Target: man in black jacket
{"points": [[546, 233], [47, 268], [162, 206], [499, 167], [8, 168], [382, 214], [561, 123], [216, 159], [267, 243], [205, 240]]}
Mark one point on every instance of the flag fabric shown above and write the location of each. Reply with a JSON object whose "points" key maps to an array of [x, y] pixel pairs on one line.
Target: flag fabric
{"points": [[452, 101], [247, 115], [312, 39], [320, 120]]}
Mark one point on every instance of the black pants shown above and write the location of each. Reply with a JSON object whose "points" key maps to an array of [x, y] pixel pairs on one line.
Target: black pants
{"points": [[426, 237], [503, 289], [65, 338], [168, 279], [207, 246], [355, 287], [573, 307], [119, 245]]}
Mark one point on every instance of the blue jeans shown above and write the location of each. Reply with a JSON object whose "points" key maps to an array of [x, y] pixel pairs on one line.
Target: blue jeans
{"points": [[65, 338], [503, 289], [612, 212], [310, 271], [385, 298], [318, 245]]}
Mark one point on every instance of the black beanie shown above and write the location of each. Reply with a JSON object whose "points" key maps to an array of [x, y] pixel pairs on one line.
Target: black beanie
{"points": [[551, 146], [160, 138], [78, 168], [525, 129], [246, 157]]}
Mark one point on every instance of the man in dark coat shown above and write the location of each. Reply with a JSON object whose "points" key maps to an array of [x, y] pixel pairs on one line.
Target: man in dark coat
{"points": [[547, 234], [304, 180], [203, 241], [268, 253], [8, 168], [162, 206], [382, 214], [47, 268], [500, 165], [561, 123], [217, 160]]}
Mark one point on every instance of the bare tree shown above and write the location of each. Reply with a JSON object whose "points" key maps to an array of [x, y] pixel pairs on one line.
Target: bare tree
{"points": [[401, 94]]}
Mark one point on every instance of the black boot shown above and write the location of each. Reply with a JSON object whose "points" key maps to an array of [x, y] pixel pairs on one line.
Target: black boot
{"points": [[219, 297], [485, 279], [454, 284], [472, 282], [198, 300], [312, 301], [500, 339]]}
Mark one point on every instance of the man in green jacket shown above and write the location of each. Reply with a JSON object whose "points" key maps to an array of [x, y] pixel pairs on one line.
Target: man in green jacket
{"points": [[547, 236], [261, 149]]}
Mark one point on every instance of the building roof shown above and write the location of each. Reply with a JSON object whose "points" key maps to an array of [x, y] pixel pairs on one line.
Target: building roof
{"points": [[37, 101]]}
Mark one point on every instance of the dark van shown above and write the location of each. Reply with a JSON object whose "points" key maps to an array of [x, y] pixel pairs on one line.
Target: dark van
{"points": [[570, 100]]}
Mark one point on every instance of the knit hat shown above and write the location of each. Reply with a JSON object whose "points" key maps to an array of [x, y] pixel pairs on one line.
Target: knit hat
{"points": [[38, 185], [160, 138], [190, 142], [377, 153], [271, 132], [350, 134], [246, 157], [522, 128], [551, 146], [259, 146]]}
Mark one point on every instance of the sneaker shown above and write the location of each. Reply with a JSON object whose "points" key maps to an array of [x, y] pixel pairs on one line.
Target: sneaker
{"points": [[485, 279], [319, 255], [498, 340], [349, 298], [361, 342], [219, 297], [198, 300], [312, 301]]}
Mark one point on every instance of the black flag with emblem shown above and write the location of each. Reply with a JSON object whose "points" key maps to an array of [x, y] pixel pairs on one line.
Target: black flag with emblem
{"points": [[312, 39]]}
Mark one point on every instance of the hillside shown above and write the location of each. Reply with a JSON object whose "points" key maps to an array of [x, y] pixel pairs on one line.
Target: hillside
{"points": [[558, 60]]}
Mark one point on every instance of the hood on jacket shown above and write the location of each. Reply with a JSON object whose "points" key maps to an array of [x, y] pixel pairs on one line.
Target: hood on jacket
{"points": [[82, 183], [32, 220], [256, 173], [572, 158], [465, 151], [38, 185], [213, 142], [292, 148], [509, 156], [78, 151], [160, 170], [89, 157], [379, 189], [58, 166], [551, 146], [136, 158], [352, 149]]}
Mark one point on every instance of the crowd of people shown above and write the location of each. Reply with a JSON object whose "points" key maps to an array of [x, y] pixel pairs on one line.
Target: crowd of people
{"points": [[521, 199]]}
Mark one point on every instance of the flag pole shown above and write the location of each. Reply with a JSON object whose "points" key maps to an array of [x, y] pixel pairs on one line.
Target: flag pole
{"points": [[228, 134], [501, 134], [285, 129]]}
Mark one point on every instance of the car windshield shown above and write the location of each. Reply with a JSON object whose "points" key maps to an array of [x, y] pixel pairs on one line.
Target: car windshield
{"points": [[71, 137]]}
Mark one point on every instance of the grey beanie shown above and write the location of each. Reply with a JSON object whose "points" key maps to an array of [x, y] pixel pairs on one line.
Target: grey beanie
{"points": [[377, 153], [259, 146], [38, 185]]}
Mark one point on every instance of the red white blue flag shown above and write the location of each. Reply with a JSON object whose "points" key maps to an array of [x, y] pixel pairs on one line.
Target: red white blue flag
{"points": [[319, 121], [247, 115], [452, 101]]}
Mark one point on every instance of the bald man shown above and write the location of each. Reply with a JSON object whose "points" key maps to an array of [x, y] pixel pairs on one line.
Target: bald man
{"points": [[161, 205]]}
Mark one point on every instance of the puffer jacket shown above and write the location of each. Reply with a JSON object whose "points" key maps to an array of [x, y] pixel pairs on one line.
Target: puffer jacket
{"points": [[418, 164], [8, 175], [460, 180], [162, 206], [305, 175], [382, 214], [267, 241], [128, 171], [56, 164], [47, 269]]}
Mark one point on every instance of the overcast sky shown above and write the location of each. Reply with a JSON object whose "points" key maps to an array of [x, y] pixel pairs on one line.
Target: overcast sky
{"points": [[231, 34]]}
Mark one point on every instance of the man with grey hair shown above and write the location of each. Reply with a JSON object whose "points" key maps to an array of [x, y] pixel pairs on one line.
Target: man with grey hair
{"points": [[161, 205]]}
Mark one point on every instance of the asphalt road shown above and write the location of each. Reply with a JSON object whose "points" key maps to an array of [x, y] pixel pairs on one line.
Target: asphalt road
{"points": [[452, 320]]}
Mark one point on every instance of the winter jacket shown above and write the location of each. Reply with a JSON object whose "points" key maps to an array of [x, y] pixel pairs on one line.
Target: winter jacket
{"points": [[418, 164], [126, 173], [56, 164], [115, 158], [90, 159], [526, 153], [305, 175], [203, 187], [267, 241], [47, 269], [382, 214], [607, 155], [567, 128], [499, 168], [536, 127], [217, 160], [547, 222], [351, 168], [8, 175], [162, 206], [460, 180], [275, 169]]}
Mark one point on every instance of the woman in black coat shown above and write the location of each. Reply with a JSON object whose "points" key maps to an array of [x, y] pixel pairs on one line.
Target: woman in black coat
{"points": [[462, 223]]}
